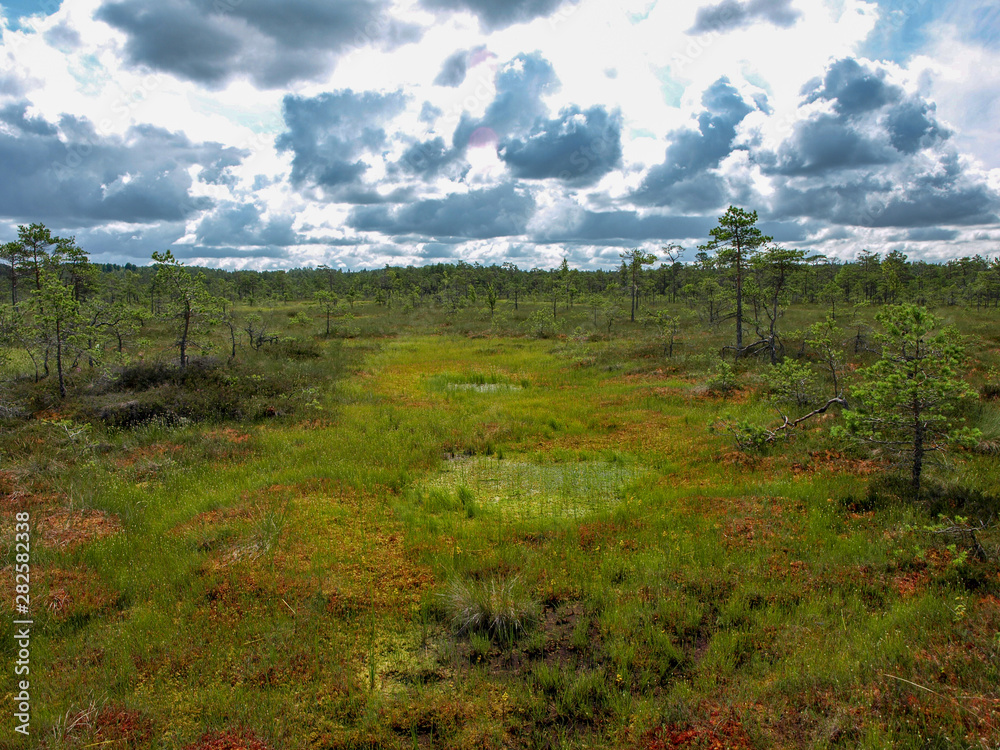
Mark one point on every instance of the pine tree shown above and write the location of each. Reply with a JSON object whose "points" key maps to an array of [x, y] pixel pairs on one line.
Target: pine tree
{"points": [[910, 397], [734, 243]]}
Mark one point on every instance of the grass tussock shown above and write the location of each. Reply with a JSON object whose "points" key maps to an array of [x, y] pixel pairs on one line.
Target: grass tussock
{"points": [[500, 608]]}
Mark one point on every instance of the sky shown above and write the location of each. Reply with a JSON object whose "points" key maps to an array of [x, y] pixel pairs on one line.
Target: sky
{"points": [[359, 133]]}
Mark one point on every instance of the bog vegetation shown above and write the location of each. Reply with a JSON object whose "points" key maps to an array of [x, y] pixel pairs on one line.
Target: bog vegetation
{"points": [[745, 498]]}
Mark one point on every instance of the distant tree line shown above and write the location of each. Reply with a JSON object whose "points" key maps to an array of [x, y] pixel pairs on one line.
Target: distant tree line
{"points": [[701, 281], [62, 309]]}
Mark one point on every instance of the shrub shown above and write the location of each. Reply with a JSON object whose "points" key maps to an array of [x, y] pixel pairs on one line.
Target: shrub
{"points": [[540, 324], [296, 348], [793, 383], [722, 381]]}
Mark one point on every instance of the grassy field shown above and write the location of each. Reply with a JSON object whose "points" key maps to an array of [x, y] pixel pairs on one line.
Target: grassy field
{"points": [[434, 531]]}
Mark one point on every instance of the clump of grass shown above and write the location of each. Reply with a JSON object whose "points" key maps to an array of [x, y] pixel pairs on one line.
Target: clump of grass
{"points": [[498, 607]]}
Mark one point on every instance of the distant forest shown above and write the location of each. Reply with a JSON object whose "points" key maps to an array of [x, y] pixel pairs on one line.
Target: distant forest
{"points": [[698, 281]]}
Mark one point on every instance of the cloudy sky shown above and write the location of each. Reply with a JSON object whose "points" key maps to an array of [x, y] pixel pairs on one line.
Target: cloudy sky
{"points": [[285, 133]]}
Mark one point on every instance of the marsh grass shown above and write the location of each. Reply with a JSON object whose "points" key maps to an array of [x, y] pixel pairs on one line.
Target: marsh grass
{"points": [[522, 490], [620, 576]]}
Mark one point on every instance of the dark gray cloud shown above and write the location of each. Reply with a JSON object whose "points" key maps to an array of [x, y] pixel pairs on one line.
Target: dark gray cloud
{"points": [[683, 179], [880, 159], [517, 104], [274, 44], [940, 194], [135, 245], [499, 14], [912, 126], [453, 70], [853, 88], [874, 123], [241, 224], [430, 159], [611, 227], [429, 113], [825, 143], [577, 147], [502, 211], [328, 134], [731, 14], [16, 115], [72, 173], [931, 234]]}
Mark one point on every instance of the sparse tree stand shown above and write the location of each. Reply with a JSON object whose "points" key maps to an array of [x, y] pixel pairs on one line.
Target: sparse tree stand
{"points": [[188, 301], [734, 243], [910, 397], [633, 261]]}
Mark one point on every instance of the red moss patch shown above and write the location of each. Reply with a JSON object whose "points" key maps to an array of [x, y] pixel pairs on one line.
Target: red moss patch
{"points": [[66, 529], [152, 452], [76, 593], [230, 739], [713, 733], [120, 726], [229, 434], [211, 518]]}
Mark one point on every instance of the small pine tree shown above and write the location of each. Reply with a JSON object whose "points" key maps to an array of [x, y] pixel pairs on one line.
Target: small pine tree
{"points": [[910, 397]]}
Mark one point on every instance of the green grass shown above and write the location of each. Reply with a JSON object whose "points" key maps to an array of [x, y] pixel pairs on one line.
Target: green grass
{"points": [[571, 560]]}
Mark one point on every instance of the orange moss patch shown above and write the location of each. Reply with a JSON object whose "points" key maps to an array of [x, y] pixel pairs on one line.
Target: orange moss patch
{"points": [[211, 518], [743, 532], [116, 725], [715, 732], [835, 462], [229, 739], [18, 500], [150, 452], [66, 528], [911, 583], [605, 534], [8, 482], [75, 593], [229, 434]]}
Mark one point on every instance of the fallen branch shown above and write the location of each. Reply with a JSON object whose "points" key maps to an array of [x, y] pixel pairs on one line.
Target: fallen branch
{"points": [[794, 423], [967, 533]]}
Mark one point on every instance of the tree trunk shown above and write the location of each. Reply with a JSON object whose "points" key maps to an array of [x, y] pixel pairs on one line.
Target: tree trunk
{"points": [[184, 336], [59, 367], [918, 456], [739, 297]]}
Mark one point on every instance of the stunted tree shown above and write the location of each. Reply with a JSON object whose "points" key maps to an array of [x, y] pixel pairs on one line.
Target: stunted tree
{"points": [[673, 254], [734, 243], [13, 254], [328, 302], [57, 318], [632, 263], [773, 271], [908, 401], [491, 299], [188, 302]]}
